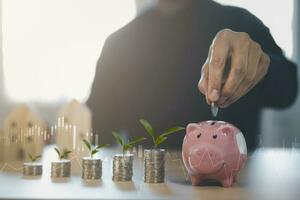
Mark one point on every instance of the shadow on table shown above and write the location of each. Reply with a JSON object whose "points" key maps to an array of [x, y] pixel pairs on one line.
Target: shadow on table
{"points": [[31, 177], [92, 183], [60, 180], [125, 186], [181, 181], [159, 189]]}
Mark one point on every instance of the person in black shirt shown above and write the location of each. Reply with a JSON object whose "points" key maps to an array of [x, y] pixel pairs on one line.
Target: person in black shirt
{"points": [[151, 69]]}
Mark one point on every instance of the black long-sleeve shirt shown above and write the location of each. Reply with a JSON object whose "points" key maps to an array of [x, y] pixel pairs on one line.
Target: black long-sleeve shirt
{"points": [[151, 67]]}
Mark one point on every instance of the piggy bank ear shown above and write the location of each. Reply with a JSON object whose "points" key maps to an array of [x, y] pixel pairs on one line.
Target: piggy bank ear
{"points": [[191, 127], [241, 143], [227, 130]]}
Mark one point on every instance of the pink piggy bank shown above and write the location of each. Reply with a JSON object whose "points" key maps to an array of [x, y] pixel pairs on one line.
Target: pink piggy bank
{"points": [[214, 150]]}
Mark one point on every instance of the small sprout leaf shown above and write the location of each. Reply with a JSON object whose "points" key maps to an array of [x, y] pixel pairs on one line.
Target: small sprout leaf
{"points": [[34, 158], [87, 144], [94, 151], [148, 127], [37, 157], [126, 145], [62, 155], [136, 140], [160, 140], [57, 151], [30, 156], [118, 138], [172, 130], [65, 154], [101, 146]]}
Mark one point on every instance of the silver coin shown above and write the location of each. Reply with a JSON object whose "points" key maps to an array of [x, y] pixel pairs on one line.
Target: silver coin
{"points": [[122, 167], [91, 168], [32, 169], [214, 109], [154, 165], [61, 169]]}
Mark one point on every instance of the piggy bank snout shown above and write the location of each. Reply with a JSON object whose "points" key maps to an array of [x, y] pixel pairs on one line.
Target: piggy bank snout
{"points": [[205, 159], [212, 150]]}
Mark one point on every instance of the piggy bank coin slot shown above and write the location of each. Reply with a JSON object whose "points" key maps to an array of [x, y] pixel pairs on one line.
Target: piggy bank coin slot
{"points": [[213, 123]]}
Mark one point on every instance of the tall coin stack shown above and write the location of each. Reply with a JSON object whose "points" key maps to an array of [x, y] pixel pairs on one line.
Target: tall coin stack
{"points": [[32, 169], [61, 169], [122, 167], [91, 168], [154, 165]]}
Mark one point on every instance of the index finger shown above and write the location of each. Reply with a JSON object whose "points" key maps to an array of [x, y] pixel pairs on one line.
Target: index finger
{"points": [[219, 54]]}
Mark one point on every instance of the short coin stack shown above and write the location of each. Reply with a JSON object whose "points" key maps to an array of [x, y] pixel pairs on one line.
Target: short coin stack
{"points": [[32, 169], [61, 169], [154, 165], [122, 167], [91, 168]]}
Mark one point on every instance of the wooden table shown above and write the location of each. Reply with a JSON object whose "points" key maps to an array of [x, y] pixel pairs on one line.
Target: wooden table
{"points": [[269, 174]]}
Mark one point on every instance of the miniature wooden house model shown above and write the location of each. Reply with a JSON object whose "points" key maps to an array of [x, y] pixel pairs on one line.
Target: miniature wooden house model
{"points": [[23, 133], [74, 125]]}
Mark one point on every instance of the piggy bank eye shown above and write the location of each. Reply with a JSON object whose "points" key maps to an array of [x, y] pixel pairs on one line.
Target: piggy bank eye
{"points": [[215, 136], [199, 135]]}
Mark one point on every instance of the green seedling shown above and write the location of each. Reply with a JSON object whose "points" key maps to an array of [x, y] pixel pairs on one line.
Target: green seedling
{"points": [[159, 139], [126, 144], [95, 149], [34, 158], [62, 155]]}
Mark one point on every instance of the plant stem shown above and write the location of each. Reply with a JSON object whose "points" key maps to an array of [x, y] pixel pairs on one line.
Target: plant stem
{"points": [[154, 142]]}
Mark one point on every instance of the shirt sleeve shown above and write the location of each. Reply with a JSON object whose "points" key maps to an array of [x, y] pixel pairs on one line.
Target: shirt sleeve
{"points": [[279, 88]]}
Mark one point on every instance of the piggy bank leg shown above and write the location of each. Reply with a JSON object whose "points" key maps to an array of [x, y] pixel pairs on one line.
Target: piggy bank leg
{"points": [[227, 182], [196, 179]]}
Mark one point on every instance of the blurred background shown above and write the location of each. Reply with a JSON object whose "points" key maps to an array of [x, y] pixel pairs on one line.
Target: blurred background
{"points": [[49, 49]]}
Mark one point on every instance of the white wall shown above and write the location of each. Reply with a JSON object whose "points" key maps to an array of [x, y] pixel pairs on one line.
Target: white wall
{"points": [[282, 128], [3, 103], [51, 46]]}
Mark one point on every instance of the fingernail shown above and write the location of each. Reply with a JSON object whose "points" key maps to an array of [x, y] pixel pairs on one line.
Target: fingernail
{"points": [[214, 95]]}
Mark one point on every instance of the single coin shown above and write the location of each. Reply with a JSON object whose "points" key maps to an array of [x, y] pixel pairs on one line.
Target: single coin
{"points": [[214, 109]]}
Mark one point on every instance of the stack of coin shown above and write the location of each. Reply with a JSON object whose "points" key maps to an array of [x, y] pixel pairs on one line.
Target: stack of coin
{"points": [[91, 168], [32, 169], [122, 167], [154, 165], [61, 169]]}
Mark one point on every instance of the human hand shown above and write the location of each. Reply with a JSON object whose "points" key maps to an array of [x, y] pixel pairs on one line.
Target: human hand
{"points": [[249, 64]]}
